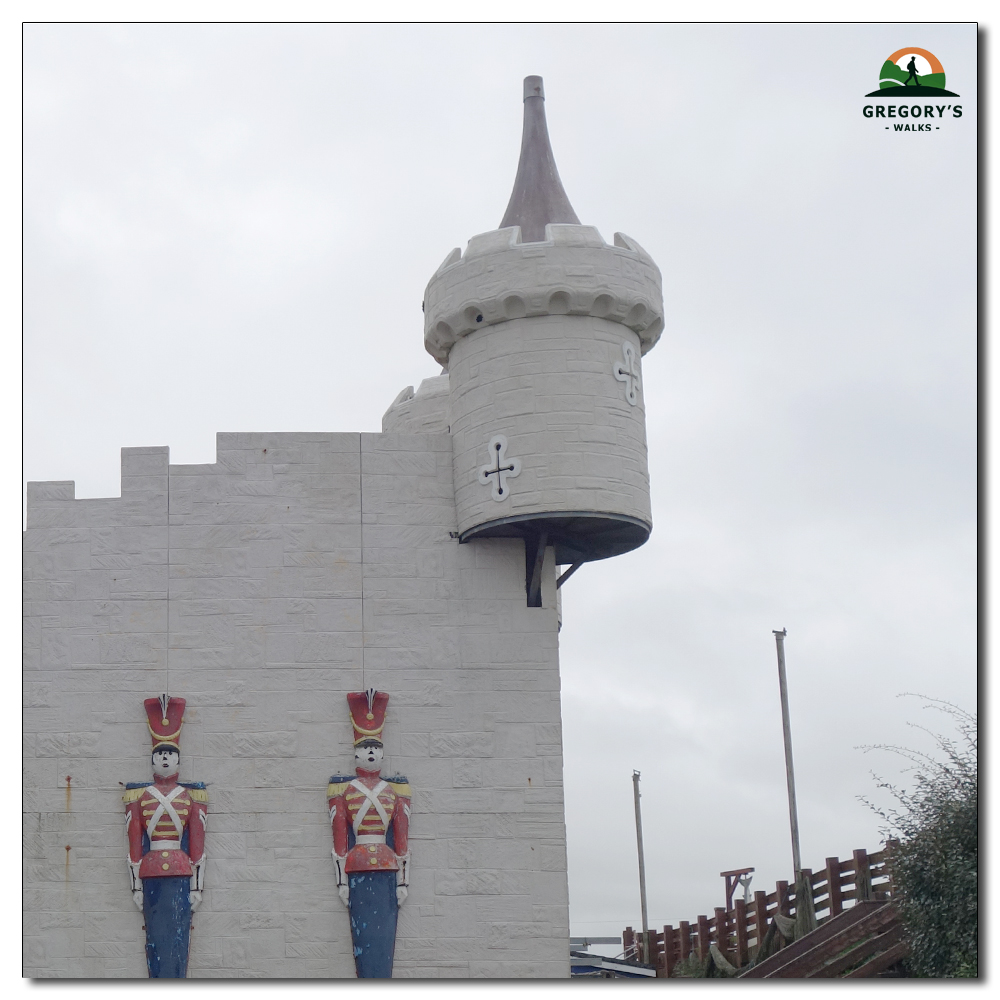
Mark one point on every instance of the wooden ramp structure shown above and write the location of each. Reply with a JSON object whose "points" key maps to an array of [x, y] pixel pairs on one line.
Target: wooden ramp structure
{"points": [[836, 923], [859, 943]]}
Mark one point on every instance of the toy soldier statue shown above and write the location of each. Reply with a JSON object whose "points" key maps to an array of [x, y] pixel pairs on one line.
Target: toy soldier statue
{"points": [[165, 834], [370, 816]]}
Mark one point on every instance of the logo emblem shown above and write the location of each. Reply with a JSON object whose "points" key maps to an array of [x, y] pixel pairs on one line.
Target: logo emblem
{"points": [[912, 73]]}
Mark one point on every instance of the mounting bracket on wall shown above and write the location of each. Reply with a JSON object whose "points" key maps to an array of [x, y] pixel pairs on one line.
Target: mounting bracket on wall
{"points": [[534, 556]]}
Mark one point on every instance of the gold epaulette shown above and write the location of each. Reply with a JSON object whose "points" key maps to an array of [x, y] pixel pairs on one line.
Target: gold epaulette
{"points": [[400, 788], [336, 788], [198, 795], [133, 794]]}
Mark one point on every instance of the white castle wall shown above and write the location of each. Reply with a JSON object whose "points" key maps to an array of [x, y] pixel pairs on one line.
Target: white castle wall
{"points": [[299, 567]]}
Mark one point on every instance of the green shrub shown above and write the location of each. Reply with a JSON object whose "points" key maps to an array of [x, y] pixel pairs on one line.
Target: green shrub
{"points": [[935, 865]]}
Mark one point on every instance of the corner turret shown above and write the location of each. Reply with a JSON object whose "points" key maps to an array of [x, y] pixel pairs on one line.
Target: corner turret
{"points": [[541, 326]]}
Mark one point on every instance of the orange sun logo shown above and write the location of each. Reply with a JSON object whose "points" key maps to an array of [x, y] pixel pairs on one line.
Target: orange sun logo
{"points": [[914, 72]]}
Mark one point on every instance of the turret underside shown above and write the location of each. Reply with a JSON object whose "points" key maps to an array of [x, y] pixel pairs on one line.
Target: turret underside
{"points": [[576, 536]]}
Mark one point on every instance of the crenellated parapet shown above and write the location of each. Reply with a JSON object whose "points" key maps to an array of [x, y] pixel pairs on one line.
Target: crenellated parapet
{"points": [[143, 497], [573, 272]]}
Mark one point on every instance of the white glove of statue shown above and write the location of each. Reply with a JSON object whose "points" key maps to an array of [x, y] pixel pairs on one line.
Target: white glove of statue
{"points": [[402, 877], [194, 897], [133, 868], [343, 887]]}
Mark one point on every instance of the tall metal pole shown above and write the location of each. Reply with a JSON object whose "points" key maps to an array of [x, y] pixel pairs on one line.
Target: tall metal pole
{"points": [[786, 728], [642, 867]]}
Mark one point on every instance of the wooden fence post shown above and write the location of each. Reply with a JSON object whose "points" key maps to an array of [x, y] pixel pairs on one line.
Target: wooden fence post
{"points": [[628, 941], [784, 905], [722, 928], [703, 936], [805, 903], [742, 937], [760, 915], [890, 847], [685, 936], [833, 886], [862, 876], [668, 950]]}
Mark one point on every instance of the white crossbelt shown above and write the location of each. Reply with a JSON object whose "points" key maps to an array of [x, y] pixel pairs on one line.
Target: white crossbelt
{"points": [[371, 794], [165, 806]]}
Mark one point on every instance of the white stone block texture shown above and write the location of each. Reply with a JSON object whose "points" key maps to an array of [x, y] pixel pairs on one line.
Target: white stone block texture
{"points": [[547, 384], [263, 588]]}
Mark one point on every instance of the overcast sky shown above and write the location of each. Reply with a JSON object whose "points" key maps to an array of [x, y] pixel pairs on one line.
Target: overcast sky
{"points": [[231, 227]]}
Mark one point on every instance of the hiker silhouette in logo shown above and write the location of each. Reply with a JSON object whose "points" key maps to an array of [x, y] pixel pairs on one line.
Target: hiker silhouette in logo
{"points": [[912, 68]]}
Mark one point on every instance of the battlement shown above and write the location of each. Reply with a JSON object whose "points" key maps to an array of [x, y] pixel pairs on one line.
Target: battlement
{"points": [[572, 272], [143, 498], [426, 411]]}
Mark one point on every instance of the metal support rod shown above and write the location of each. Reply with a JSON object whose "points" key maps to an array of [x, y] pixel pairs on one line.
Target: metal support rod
{"points": [[786, 729], [642, 867], [565, 576]]}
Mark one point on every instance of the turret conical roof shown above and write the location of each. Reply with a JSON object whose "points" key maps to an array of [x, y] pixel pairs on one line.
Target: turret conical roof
{"points": [[538, 196]]}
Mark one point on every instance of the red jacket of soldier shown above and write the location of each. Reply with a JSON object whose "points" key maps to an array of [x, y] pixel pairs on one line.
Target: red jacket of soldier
{"points": [[368, 805], [164, 810]]}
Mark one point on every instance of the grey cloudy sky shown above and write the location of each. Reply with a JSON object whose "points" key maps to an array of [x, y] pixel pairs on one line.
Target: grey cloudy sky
{"points": [[231, 228]]}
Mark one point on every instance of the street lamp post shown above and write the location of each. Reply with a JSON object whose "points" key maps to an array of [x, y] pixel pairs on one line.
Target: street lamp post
{"points": [[786, 728], [642, 866]]}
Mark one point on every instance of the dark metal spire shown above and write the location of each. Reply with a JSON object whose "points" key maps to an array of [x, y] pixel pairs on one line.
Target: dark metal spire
{"points": [[538, 196]]}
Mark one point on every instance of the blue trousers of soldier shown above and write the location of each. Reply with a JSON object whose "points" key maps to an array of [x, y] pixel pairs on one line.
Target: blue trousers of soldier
{"points": [[373, 909], [167, 909]]}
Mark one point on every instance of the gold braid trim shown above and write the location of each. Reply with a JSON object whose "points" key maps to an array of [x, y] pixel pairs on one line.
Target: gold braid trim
{"points": [[198, 794], [365, 732], [333, 790], [133, 794], [169, 738]]}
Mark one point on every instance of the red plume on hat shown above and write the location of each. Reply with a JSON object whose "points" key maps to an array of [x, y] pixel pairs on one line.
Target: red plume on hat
{"points": [[164, 716], [367, 714]]}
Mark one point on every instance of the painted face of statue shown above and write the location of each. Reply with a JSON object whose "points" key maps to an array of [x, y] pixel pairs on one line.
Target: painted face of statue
{"points": [[368, 757], [166, 763]]}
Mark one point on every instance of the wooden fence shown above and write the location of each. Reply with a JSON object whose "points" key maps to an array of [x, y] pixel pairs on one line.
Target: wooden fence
{"points": [[738, 932]]}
